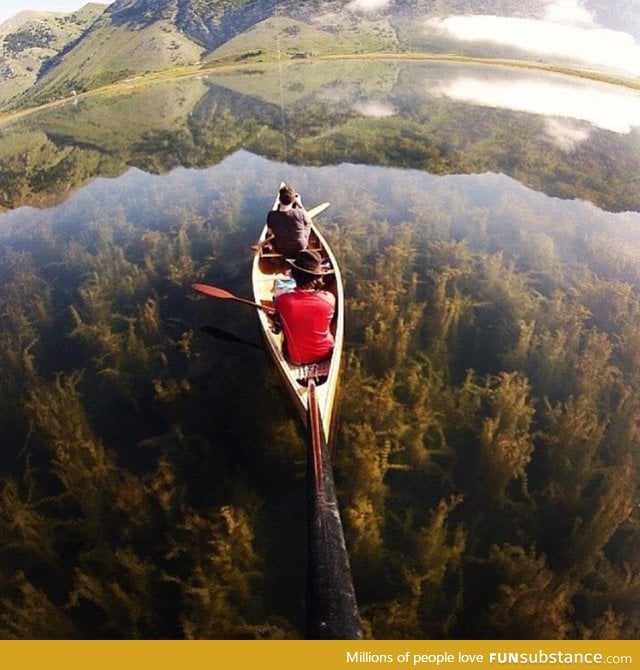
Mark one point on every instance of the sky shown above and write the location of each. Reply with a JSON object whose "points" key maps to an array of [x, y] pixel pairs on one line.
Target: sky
{"points": [[9, 8], [566, 29]]}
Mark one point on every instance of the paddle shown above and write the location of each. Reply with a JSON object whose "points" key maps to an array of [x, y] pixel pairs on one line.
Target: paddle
{"points": [[215, 292], [318, 209]]}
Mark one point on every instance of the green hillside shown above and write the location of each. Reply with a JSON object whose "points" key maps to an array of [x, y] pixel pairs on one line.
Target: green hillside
{"points": [[136, 37], [111, 53], [30, 39], [293, 38], [115, 48]]}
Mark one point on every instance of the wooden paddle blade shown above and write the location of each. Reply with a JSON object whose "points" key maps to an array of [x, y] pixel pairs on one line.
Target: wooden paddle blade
{"points": [[318, 209], [213, 291]]}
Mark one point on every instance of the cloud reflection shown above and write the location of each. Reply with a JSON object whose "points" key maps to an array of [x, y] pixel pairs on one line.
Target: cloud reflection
{"points": [[374, 108], [566, 133], [607, 107]]}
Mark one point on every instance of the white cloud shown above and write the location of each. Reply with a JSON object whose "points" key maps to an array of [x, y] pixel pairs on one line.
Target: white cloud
{"points": [[571, 12], [603, 106], [596, 46], [367, 5]]}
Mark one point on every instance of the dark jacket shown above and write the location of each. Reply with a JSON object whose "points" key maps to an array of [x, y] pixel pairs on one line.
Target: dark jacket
{"points": [[291, 230]]}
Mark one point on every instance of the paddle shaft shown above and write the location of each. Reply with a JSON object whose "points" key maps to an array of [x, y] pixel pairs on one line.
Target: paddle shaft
{"points": [[215, 292]]}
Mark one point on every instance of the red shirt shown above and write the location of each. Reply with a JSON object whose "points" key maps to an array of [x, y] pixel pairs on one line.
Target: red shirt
{"points": [[306, 317]]}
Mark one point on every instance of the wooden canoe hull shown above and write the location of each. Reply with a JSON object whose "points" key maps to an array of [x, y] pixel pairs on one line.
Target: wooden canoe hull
{"points": [[266, 269], [332, 609]]}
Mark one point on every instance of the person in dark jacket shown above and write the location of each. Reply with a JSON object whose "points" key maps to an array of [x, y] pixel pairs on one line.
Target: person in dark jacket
{"points": [[289, 224]]}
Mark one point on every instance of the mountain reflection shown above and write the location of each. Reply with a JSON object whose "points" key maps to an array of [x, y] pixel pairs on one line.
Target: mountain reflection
{"points": [[437, 118]]}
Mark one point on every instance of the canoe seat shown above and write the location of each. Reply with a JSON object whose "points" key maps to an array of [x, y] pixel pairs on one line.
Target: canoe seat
{"points": [[312, 371]]}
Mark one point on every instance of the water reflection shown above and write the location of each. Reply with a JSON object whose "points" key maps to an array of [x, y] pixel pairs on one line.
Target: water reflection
{"points": [[602, 106], [490, 396], [374, 108], [437, 118]]}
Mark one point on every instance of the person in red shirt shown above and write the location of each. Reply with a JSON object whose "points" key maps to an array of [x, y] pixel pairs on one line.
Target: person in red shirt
{"points": [[306, 312]]}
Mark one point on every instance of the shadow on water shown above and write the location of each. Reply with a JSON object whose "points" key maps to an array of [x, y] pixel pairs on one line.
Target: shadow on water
{"points": [[226, 336]]}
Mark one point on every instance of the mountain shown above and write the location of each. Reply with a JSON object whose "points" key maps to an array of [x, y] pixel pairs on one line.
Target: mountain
{"points": [[47, 56], [139, 36], [30, 39]]}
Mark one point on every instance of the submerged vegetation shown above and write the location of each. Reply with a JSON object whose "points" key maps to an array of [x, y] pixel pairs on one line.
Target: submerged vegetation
{"points": [[119, 513], [488, 461], [487, 456]]}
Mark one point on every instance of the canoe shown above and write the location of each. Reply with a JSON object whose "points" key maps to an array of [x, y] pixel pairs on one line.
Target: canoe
{"points": [[270, 268], [332, 610]]}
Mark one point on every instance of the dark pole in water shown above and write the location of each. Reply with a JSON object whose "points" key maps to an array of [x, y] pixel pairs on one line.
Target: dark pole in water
{"points": [[332, 611]]}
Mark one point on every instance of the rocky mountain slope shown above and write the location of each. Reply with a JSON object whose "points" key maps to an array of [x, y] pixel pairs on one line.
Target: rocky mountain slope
{"points": [[29, 39]]}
